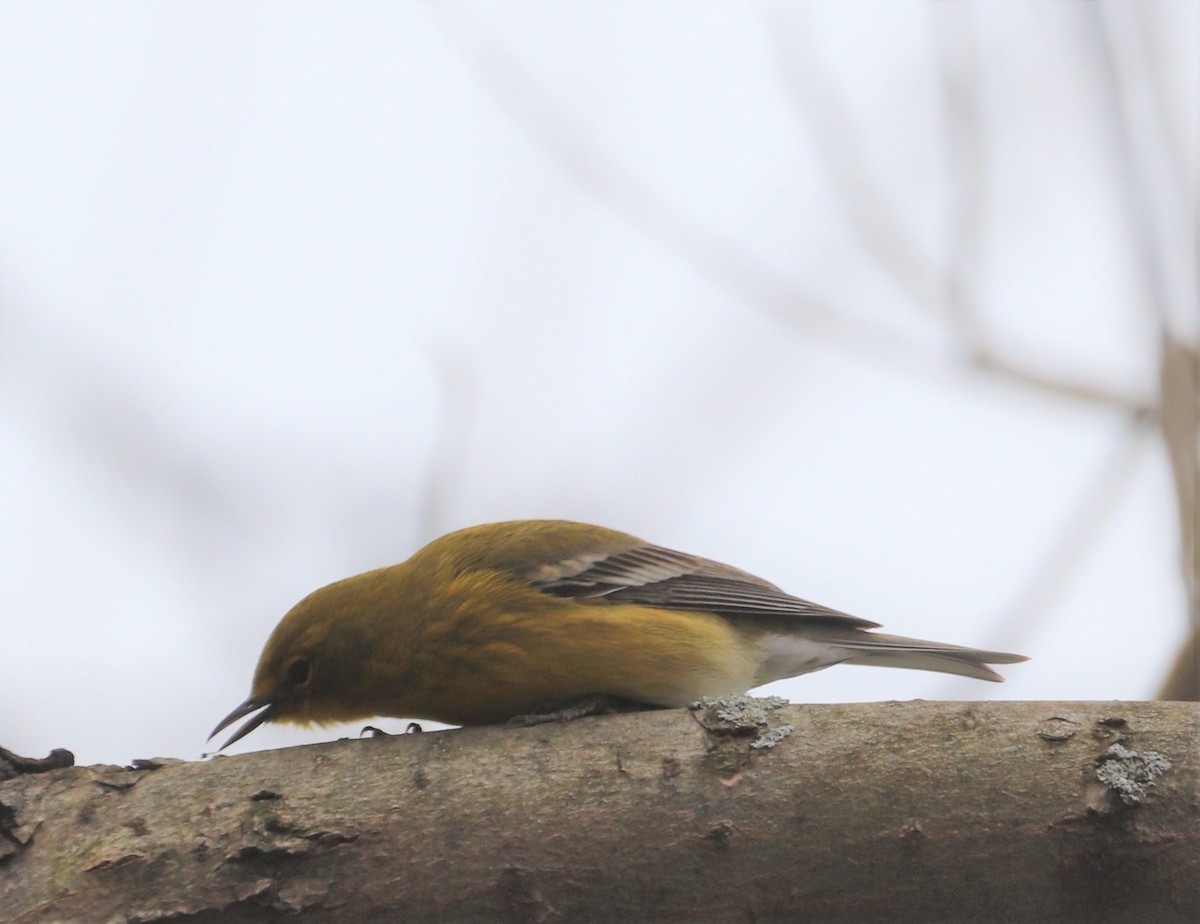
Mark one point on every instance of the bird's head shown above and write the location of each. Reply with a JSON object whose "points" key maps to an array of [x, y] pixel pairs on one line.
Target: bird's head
{"points": [[314, 667]]}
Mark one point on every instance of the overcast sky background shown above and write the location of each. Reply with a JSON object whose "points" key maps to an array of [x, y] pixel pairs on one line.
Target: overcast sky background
{"points": [[288, 289]]}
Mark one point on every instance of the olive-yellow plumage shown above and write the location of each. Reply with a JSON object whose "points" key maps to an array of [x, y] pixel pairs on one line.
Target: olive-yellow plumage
{"points": [[529, 617]]}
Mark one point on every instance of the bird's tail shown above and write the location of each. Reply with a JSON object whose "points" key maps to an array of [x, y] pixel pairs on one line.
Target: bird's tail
{"points": [[880, 650]]}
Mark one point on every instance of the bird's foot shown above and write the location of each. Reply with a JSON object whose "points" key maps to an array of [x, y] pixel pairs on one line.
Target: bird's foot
{"points": [[370, 731]]}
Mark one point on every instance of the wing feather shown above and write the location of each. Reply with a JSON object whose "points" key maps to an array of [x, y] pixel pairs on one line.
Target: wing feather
{"points": [[651, 575]]}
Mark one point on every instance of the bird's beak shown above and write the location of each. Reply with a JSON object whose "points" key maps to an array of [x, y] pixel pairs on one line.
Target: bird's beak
{"points": [[249, 706]]}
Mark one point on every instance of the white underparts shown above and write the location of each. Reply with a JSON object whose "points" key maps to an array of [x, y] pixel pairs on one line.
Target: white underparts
{"points": [[791, 655]]}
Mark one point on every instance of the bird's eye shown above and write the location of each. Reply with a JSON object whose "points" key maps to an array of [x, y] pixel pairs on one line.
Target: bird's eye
{"points": [[298, 671]]}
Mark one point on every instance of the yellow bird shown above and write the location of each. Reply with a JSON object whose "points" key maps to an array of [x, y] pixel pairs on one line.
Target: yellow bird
{"points": [[539, 619]]}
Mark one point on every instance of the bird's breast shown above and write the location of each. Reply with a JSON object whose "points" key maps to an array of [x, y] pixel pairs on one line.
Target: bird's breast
{"points": [[524, 651]]}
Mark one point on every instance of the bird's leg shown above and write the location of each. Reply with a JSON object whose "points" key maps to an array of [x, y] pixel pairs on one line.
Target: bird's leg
{"points": [[596, 704]]}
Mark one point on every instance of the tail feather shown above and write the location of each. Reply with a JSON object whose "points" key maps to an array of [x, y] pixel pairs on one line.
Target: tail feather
{"points": [[880, 650]]}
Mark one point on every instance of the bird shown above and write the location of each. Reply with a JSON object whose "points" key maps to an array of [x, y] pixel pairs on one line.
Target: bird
{"points": [[533, 620]]}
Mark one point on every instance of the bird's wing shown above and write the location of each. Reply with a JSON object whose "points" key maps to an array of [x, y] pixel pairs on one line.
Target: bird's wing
{"points": [[650, 575]]}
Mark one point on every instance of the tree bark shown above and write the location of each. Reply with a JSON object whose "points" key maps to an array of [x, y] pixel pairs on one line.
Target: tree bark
{"points": [[898, 812]]}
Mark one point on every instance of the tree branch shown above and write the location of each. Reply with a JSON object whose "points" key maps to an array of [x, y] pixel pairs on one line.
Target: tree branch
{"points": [[886, 811]]}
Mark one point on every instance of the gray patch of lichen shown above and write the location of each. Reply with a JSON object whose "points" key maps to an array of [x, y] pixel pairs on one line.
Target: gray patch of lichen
{"points": [[1131, 774], [742, 712], [769, 739], [744, 715]]}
